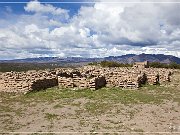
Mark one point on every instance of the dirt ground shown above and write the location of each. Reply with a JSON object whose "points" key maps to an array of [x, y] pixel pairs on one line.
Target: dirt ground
{"points": [[149, 110]]}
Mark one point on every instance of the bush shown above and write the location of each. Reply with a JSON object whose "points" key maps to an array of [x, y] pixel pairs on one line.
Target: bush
{"points": [[7, 67], [172, 65], [93, 63], [110, 64]]}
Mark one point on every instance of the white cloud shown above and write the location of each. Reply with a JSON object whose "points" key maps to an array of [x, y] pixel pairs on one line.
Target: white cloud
{"points": [[36, 6], [95, 31]]}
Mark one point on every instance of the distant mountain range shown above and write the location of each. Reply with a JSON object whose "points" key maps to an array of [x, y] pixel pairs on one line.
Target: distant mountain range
{"points": [[129, 58]]}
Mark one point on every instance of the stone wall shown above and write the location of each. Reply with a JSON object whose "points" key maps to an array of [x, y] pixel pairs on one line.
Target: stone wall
{"points": [[97, 82], [127, 77], [24, 82], [144, 64], [80, 81], [92, 77]]}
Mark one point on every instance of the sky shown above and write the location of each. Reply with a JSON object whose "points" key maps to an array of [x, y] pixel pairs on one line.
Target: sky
{"points": [[82, 28]]}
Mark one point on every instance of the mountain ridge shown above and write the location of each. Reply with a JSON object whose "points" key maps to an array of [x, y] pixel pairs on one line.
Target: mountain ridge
{"points": [[128, 58]]}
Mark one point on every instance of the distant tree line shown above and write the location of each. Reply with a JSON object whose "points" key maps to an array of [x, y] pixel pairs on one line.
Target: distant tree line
{"points": [[172, 65], [7, 67], [110, 64], [18, 67]]}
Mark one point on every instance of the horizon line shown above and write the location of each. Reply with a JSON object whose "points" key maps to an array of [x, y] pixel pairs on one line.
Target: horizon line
{"points": [[85, 57]]}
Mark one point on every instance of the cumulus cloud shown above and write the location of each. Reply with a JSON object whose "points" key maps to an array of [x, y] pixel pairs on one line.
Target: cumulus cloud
{"points": [[99, 30], [37, 7]]}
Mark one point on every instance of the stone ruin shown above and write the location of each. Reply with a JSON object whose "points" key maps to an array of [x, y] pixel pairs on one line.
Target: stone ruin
{"points": [[27, 81], [93, 77], [77, 79], [144, 64], [127, 77]]}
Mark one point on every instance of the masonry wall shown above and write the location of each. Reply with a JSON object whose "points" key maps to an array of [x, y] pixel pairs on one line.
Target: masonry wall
{"points": [[81, 82], [93, 77], [130, 77], [24, 82]]}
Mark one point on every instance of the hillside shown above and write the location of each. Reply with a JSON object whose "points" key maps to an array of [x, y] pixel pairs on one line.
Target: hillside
{"points": [[129, 58]]}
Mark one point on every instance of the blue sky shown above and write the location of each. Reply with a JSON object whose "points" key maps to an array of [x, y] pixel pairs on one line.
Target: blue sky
{"points": [[98, 29], [18, 8]]}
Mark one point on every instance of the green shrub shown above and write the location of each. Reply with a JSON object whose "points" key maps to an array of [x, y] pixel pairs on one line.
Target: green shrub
{"points": [[172, 65], [110, 64]]}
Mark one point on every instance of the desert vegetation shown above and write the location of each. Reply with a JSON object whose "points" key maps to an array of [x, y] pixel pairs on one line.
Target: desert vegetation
{"points": [[171, 65], [110, 64], [7, 67]]}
